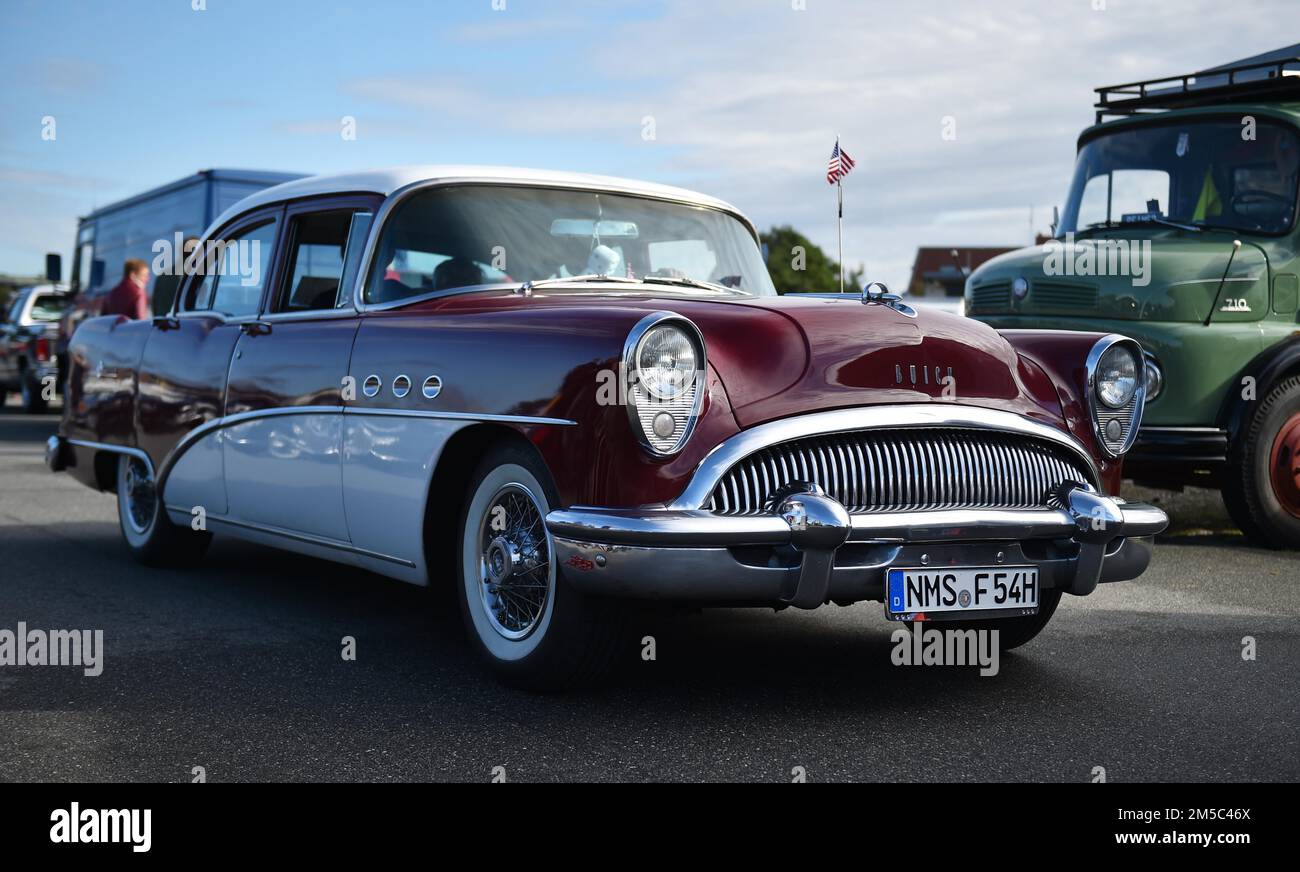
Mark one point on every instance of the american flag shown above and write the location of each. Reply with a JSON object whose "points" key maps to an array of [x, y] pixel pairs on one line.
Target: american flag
{"points": [[839, 165]]}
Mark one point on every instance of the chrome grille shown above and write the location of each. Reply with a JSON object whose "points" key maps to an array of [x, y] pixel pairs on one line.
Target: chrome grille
{"points": [[905, 470]]}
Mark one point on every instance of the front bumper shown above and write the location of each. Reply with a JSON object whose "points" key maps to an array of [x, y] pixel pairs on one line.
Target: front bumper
{"points": [[810, 550]]}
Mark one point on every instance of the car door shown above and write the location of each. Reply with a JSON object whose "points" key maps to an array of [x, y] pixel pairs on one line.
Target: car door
{"points": [[282, 450], [182, 375]]}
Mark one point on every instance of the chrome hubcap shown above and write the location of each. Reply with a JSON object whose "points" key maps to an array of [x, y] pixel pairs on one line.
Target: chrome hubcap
{"points": [[141, 499], [514, 563]]}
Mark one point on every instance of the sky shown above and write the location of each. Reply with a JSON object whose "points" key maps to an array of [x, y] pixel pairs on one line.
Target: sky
{"points": [[962, 116]]}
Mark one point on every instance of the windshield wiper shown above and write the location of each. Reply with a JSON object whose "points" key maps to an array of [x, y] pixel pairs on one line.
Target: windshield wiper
{"points": [[1097, 225], [1165, 222], [687, 282], [559, 280]]}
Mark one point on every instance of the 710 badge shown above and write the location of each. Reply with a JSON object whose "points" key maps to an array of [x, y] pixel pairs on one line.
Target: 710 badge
{"points": [[958, 589]]}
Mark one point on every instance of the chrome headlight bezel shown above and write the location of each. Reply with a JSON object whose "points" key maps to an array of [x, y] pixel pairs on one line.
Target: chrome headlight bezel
{"points": [[644, 405], [1129, 414]]}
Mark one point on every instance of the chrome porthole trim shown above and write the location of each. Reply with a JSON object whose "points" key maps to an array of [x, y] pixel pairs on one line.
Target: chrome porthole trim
{"points": [[432, 387], [401, 386], [370, 387]]}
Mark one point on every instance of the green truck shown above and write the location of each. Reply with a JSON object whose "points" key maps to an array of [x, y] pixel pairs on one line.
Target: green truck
{"points": [[1180, 231]]}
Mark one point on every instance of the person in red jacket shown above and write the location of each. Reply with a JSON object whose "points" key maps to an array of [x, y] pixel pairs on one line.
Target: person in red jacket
{"points": [[129, 298]]}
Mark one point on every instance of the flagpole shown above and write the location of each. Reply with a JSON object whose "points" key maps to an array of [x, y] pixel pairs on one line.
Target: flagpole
{"points": [[840, 190]]}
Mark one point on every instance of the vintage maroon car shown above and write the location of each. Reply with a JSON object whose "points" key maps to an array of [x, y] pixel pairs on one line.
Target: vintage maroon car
{"points": [[566, 391]]}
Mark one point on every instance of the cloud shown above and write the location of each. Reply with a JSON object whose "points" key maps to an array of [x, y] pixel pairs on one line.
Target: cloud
{"points": [[747, 100]]}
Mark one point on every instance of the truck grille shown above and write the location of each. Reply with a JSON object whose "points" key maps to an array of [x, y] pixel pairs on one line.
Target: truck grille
{"points": [[992, 296], [905, 470], [1064, 297]]}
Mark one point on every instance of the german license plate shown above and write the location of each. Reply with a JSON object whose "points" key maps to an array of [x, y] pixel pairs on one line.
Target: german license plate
{"points": [[925, 590]]}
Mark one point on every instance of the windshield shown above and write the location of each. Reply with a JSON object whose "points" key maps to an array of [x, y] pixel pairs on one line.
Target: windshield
{"points": [[467, 235], [1238, 174], [48, 307]]}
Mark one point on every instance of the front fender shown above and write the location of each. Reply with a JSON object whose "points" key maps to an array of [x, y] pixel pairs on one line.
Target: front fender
{"points": [[1063, 356]]}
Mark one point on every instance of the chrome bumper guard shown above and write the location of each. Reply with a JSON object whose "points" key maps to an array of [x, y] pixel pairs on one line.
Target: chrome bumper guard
{"points": [[810, 550]]}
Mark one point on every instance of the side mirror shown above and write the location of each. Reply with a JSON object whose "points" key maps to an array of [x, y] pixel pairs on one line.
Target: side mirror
{"points": [[1056, 220], [54, 267]]}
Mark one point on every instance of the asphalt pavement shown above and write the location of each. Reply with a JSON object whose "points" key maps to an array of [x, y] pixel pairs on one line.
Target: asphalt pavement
{"points": [[235, 667]]}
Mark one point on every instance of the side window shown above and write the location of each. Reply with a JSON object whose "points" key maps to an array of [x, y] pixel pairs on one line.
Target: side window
{"points": [[323, 247], [234, 275]]}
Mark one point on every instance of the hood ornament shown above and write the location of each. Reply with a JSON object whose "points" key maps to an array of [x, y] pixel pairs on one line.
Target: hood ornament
{"points": [[883, 297]]}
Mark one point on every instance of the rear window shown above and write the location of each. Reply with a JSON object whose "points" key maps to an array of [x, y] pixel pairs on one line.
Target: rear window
{"points": [[48, 307]]}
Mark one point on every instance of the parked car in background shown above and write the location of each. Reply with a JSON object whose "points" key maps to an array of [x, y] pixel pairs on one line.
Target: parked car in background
{"points": [[564, 391], [131, 228], [28, 329], [1180, 231]]}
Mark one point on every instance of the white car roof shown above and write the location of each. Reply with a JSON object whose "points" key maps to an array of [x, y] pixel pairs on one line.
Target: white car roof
{"points": [[387, 181]]}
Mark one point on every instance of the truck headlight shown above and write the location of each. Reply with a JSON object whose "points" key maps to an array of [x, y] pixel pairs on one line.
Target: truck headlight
{"points": [[1155, 378], [665, 363]]}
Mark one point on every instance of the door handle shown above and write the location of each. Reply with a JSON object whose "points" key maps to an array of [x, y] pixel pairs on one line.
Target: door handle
{"points": [[254, 328]]}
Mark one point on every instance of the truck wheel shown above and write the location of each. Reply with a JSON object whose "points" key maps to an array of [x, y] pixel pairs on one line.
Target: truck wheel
{"points": [[1262, 485], [33, 401], [1013, 632], [153, 539], [533, 630]]}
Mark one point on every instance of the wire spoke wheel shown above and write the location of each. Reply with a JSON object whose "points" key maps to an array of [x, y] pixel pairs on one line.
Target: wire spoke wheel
{"points": [[515, 578], [141, 496]]}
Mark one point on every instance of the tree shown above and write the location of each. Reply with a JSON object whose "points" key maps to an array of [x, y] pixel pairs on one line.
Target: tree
{"points": [[797, 265]]}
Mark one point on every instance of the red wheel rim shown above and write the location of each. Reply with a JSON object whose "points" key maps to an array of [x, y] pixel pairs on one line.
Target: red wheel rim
{"points": [[1284, 466]]}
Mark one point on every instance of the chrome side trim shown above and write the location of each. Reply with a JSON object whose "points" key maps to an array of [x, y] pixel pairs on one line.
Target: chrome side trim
{"points": [[240, 417], [116, 449], [306, 538], [193, 436], [458, 416], [397, 197], [1138, 402], [716, 463]]}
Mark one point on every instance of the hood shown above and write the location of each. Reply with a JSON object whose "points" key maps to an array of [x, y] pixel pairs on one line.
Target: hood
{"points": [[786, 356], [782, 356], [1164, 275]]}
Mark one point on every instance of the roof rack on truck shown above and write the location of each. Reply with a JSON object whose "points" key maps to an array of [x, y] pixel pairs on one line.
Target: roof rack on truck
{"points": [[1272, 76]]}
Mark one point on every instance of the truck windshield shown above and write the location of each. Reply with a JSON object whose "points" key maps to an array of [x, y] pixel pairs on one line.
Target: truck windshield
{"points": [[1238, 174], [472, 235]]}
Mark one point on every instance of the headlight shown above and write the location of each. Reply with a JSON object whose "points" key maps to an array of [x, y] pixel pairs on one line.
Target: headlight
{"points": [[1155, 379], [665, 361], [1117, 376], [1117, 380], [664, 356]]}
